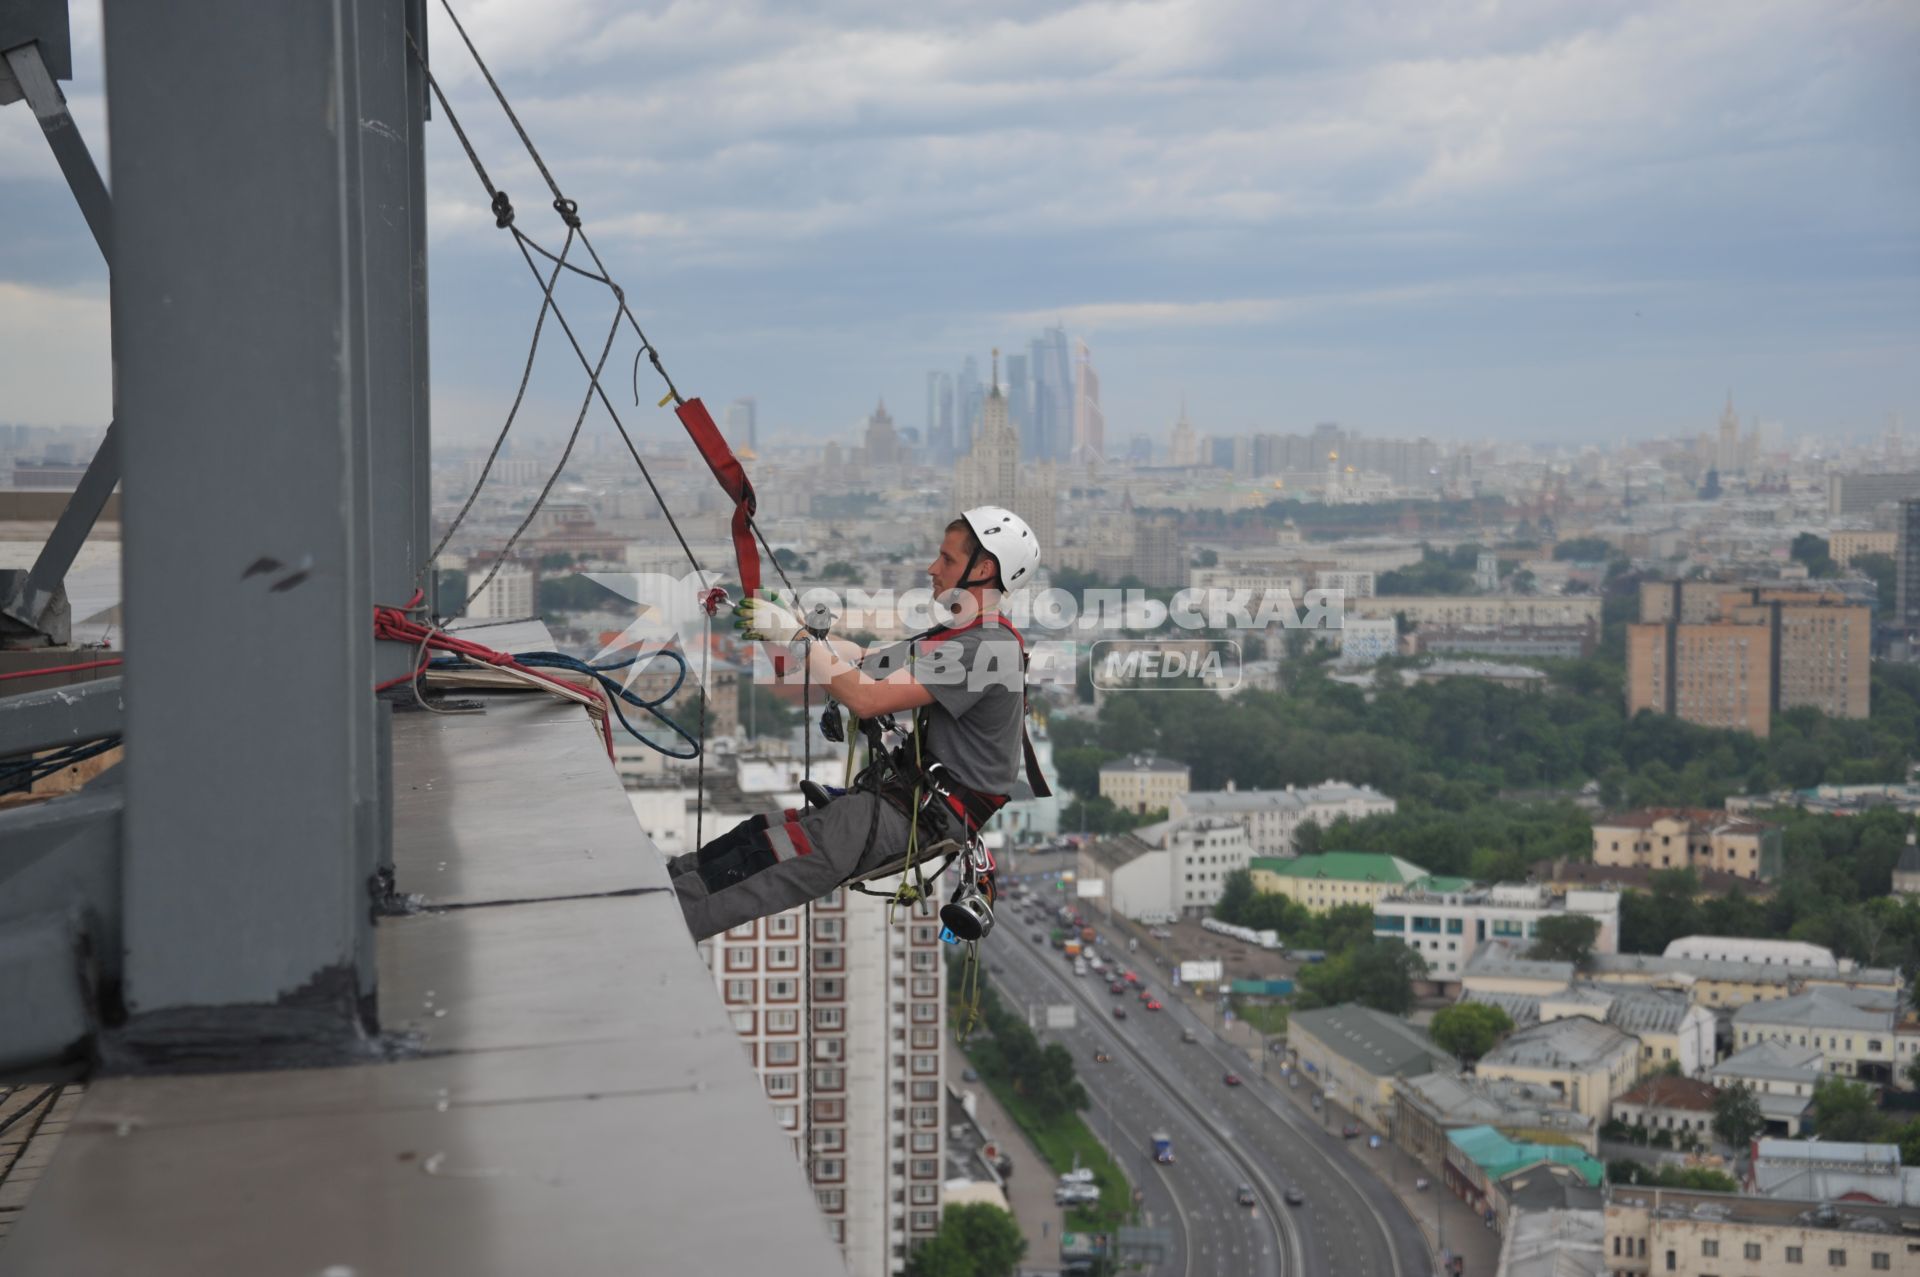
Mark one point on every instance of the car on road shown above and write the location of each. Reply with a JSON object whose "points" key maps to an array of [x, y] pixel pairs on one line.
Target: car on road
{"points": [[1350, 1131], [1244, 1195], [1101, 1057], [1038, 938], [1116, 989], [1119, 1013], [1231, 1079], [1294, 1196], [1153, 1004], [1145, 993], [1188, 1035], [1130, 977]]}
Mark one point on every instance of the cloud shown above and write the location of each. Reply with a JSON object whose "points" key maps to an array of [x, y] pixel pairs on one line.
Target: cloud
{"points": [[906, 179], [55, 355]]}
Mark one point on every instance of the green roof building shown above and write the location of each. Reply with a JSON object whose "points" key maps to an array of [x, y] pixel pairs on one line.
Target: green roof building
{"points": [[1335, 878]]}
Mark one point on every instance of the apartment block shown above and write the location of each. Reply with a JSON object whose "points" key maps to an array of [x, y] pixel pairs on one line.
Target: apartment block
{"points": [[845, 1029], [1906, 567], [1859, 493], [1753, 651], [1706, 841], [1843, 546]]}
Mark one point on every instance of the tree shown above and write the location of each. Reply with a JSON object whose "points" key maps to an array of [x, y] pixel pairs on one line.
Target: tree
{"points": [[1583, 550], [1736, 1115], [1812, 550], [1880, 569], [1378, 974], [1908, 1138], [1566, 937], [1236, 897], [1468, 1030], [1844, 1112], [976, 1240]]}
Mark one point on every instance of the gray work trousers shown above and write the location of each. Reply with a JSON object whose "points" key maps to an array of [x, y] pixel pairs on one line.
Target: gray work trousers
{"points": [[825, 853]]}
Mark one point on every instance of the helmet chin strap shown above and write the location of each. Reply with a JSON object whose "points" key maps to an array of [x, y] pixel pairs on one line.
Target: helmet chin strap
{"points": [[950, 599]]}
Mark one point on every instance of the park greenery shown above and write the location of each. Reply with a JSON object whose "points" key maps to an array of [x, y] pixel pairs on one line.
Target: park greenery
{"points": [[1486, 780], [1038, 1088]]}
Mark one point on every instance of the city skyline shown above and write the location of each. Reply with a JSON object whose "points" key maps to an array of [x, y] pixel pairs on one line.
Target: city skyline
{"points": [[1454, 224]]}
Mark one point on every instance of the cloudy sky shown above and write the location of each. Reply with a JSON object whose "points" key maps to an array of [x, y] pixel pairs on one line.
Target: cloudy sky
{"points": [[1547, 220]]}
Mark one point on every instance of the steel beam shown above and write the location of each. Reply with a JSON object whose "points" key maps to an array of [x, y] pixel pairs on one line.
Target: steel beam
{"points": [[240, 318], [62, 716], [35, 601], [69, 148]]}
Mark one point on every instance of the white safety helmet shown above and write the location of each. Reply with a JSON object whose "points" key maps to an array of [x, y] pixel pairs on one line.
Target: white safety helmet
{"points": [[1006, 536]]}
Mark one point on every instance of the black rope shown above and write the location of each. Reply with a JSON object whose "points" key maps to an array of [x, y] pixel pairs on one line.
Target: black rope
{"points": [[526, 374], [569, 212], [586, 402], [526, 244]]}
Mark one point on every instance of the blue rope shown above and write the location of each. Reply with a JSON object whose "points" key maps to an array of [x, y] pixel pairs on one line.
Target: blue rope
{"points": [[616, 693]]}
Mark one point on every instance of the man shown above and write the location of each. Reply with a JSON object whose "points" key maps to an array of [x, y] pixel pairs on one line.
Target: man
{"points": [[964, 682]]}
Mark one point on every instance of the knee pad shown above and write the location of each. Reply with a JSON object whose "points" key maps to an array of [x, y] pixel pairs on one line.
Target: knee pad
{"points": [[740, 860], [747, 830]]}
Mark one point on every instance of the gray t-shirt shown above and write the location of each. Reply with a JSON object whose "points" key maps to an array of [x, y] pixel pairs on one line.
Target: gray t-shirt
{"points": [[978, 683]]}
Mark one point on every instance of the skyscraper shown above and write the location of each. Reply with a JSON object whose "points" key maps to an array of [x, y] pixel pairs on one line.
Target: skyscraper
{"points": [[1019, 392], [1089, 422], [967, 395], [940, 443], [1727, 458], [991, 474], [883, 441], [1052, 415], [743, 423], [1183, 447]]}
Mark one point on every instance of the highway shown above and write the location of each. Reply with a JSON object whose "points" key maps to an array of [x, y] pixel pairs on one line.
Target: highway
{"points": [[1350, 1224], [1196, 1195]]}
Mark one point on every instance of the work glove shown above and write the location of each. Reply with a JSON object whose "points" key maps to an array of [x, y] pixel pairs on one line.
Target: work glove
{"points": [[773, 619], [767, 620]]}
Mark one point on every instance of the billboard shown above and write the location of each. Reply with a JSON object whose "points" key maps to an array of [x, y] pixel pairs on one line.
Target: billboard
{"points": [[1060, 1015], [1208, 972], [1090, 888]]}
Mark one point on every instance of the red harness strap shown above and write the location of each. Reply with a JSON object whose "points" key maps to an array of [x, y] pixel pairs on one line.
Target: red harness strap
{"points": [[733, 479]]}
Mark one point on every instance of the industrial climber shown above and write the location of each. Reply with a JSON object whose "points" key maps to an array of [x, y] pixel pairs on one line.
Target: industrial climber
{"points": [[964, 684]]}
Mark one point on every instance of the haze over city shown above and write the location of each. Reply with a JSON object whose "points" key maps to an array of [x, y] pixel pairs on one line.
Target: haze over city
{"points": [[1551, 222]]}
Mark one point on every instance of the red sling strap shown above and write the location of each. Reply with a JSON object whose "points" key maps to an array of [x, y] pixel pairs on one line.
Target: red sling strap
{"points": [[733, 479]]}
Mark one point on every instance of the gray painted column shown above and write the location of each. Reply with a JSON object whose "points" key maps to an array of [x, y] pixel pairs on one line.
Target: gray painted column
{"points": [[387, 133], [239, 322]]}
